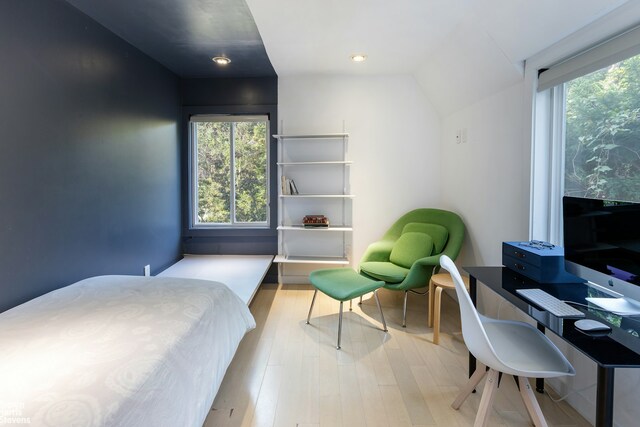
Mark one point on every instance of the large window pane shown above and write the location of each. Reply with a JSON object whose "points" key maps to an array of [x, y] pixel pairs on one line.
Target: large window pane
{"points": [[229, 183], [602, 140], [214, 172], [250, 171]]}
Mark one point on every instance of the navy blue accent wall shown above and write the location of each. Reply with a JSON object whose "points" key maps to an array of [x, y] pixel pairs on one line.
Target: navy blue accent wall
{"points": [[89, 153], [257, 95], [231, 91]]}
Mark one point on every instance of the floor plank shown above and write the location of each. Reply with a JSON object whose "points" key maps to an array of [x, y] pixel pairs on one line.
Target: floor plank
{"points": [[288, 373]]}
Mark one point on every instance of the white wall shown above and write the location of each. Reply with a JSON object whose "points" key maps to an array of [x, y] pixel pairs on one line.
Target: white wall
{"points": [[394, 142], [484, 179]]}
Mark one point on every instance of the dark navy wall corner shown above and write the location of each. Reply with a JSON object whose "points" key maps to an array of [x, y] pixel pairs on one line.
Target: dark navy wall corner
{"points": [[89, 153], [256, 95], [272, 274], [231, 245]]}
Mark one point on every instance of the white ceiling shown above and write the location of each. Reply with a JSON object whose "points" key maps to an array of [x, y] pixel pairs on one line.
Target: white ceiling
{"points": [[459, 50]]}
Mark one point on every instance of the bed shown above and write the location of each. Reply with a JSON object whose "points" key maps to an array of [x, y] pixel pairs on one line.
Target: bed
{"points": [[119, 351]]}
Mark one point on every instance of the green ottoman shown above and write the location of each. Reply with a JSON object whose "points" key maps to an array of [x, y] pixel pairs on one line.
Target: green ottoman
{"points": [[343, 284]]}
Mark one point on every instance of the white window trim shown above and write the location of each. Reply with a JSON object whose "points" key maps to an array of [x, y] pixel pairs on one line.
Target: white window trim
{"points": [[536, 113], [548, 166], [193, 179]]}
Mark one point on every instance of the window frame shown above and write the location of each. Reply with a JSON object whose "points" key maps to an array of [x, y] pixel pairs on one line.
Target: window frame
{"points": [[548, 166], [225, 235], [549, 146], [193, 170]]}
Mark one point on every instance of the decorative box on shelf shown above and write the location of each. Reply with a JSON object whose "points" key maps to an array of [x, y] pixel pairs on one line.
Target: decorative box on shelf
{"points": [[314, 221]]}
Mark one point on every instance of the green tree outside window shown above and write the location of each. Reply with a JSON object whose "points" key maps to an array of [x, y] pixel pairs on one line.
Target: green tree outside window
{"points": [[602, 140]]}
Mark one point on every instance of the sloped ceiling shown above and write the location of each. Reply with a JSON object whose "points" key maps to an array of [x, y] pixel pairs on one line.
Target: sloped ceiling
{"points": [[459, 50]]}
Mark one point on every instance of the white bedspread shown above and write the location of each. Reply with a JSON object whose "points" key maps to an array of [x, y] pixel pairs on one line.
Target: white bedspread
{"points": [[119, 351]]}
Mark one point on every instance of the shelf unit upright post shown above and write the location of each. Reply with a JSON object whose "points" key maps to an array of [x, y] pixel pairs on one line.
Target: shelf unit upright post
{"points": [[318, 165]]}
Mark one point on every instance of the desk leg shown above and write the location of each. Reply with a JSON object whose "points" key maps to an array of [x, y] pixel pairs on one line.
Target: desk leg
{"points": [[472, 294], [604, 397], [540, 381]]}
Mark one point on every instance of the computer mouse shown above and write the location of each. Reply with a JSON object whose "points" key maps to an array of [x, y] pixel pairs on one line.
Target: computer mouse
{"points": [[589, 325]]}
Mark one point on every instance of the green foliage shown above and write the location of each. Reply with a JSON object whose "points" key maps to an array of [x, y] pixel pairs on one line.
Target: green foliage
{"points": [[602, 152], [251, 172], [214, 171]]}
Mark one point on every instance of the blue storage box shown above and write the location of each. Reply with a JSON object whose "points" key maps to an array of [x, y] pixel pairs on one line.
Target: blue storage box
{"points": [[539, 261]]}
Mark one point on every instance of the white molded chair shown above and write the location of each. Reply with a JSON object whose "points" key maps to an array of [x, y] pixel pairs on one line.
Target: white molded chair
{"points": [[506, 346]]}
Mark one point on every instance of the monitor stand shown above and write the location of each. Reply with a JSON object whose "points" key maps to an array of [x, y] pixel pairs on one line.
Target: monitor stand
{"points": [[621, 306]]}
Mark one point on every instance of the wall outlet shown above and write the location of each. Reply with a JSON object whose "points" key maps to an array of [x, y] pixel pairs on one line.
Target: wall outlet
{"points": [[147, 270]]}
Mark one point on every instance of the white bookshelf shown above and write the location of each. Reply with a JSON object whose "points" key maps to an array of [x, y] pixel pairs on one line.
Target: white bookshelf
{"points": [[319, 167]]}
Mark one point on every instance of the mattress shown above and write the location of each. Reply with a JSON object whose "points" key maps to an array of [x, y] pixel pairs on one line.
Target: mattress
{"points": [[119, 351]]}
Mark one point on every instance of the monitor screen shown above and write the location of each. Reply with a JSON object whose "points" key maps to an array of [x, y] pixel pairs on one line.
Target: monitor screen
{"points": [[602, 242]]}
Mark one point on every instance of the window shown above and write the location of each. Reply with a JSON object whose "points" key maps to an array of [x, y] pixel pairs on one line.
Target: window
{"points": [[602, 133], [587, 131], [229, 171]]}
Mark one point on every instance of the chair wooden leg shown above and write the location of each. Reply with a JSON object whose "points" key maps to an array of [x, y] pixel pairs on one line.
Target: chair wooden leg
{"points": [[486, 402], [533, 408], [430, 314], [475, 379], [437, 301]]}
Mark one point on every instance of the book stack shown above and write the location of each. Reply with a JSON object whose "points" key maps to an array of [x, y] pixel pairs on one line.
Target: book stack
{"points": [[315, 221]]}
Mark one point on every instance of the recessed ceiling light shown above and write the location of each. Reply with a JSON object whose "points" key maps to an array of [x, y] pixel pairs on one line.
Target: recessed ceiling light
{"points": [[359, 57], [221, 60]]}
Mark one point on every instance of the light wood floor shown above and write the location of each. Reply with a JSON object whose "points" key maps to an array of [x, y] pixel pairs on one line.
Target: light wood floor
{"points": [[288, 373]]}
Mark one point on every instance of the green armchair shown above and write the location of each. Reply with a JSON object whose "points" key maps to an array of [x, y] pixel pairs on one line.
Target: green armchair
{"points": [[409, 252]]}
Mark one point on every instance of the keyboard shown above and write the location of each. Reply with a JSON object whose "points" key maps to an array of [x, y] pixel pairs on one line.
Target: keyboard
{"points": [[549, 303]]}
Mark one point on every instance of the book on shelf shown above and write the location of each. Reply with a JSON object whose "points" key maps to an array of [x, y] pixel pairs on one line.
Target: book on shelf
{"points": [[292, 186], [288, 186]]}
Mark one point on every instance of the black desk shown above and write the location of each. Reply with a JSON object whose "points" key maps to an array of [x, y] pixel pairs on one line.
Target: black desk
{"points": [[618, 349]]}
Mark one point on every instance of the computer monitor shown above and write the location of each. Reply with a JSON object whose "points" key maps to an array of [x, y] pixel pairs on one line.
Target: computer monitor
{"points": [[602, 243]]}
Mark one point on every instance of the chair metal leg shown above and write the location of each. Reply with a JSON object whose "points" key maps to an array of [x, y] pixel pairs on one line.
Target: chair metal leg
{"points": [[404, 310], [360, 303], [384, 324], [350, 305], [339, 327], [311, 308]]}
